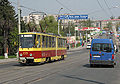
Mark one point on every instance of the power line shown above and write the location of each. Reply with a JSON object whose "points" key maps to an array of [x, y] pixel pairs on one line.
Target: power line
{"points": [[102, 7], [24, 6], [65, 6], [108, 7]]}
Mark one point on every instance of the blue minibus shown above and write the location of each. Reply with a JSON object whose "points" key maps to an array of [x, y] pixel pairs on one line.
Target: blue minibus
{"points": [[102, 52]]}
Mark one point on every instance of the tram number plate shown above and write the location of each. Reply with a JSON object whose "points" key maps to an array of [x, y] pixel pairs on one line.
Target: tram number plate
{"points": [[22, 58], [29, 57]]}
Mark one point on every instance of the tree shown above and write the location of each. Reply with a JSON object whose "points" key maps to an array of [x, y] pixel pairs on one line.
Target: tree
{"points": [[117, 25], [112, 17], [109, 26], [70, 27], [13, 41], [87, 23], [7, 22], [49, 25], [118, 17]]}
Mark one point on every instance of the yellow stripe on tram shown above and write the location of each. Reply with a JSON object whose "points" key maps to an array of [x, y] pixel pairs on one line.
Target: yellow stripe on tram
{"points": [[36, 49], [40, 60]]}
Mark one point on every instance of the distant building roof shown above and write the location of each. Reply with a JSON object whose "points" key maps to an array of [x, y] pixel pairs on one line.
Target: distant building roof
{"points": [[111, 20]]}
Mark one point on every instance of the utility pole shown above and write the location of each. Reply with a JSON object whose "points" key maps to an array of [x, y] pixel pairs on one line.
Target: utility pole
{"points": [[58, 26], [19, 23], [75, 38], [58, 21], [69, 32], [86, 36], [100, 26], [76, 29]]}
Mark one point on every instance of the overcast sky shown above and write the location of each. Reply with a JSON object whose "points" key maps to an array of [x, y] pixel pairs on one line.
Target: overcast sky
{"points": [[95, 10]]}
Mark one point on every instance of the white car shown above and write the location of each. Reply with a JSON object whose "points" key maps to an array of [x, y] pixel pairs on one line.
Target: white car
{"points": [[88, 46]]}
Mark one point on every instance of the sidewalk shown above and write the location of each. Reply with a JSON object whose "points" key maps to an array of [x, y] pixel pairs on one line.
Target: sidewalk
{"points": [[78, 48], [2, 61]]}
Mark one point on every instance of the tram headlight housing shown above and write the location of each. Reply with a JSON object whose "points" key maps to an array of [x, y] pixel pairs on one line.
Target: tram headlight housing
{"points": [[20, 54], [30, 54]]}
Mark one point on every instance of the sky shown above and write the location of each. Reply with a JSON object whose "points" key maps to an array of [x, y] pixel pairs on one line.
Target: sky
{"points": [[96, 9]]}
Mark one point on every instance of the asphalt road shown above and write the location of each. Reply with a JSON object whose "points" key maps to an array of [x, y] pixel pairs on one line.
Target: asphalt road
{"points": [[73, 70]]}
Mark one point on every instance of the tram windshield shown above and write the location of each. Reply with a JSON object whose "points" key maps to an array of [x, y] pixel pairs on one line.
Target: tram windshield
{"points": [[27, 40]]}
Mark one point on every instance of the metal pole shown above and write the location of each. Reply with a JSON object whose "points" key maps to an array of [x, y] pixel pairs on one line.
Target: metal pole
{"points": [[58, 27], [86, 36], [75, 38], [58, 21], [69, 33], [19, 27]]}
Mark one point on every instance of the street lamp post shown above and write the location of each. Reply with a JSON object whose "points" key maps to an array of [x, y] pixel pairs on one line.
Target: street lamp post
{"points": [[19, 23], [58, 21]]}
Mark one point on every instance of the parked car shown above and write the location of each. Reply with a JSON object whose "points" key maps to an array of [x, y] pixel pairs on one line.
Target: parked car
{"points": [[88, 46]]}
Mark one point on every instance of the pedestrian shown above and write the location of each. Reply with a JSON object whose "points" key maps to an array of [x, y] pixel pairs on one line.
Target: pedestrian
{"points": [[82, 44]]}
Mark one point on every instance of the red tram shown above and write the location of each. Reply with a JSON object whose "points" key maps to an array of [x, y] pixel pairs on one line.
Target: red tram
{"points": [[40, 47]]}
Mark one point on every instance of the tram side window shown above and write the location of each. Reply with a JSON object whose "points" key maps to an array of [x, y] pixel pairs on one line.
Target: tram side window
{"points": [[43, 41], [64, 43], [50, 41], [58, 42], [61, 42], [53, 41], [38, 39], [46, 41]]}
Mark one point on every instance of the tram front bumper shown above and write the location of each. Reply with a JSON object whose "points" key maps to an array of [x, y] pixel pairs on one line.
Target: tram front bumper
{"points": [[24, 59]]}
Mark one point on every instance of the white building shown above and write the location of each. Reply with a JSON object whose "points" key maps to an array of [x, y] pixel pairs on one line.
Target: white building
{"points": [[103, 23], [32, 17]]}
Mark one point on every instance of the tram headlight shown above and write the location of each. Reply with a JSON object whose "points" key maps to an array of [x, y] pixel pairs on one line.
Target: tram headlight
{"points": [[30, 54], [20, 54]]}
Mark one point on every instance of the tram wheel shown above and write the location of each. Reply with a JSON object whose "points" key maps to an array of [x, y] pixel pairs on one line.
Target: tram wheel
{"points": [[91, 65], [62, 57], [49, 60]]}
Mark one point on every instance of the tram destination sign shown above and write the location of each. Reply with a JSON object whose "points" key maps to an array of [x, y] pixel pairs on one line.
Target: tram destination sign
{"points": [[62, 17]]}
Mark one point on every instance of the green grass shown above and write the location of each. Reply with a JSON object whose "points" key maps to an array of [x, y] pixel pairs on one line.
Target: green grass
{"points": [[11, 56], [2, 57]]}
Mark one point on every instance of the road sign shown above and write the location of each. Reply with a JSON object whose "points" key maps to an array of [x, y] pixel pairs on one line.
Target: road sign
{"points": [[62, 17]]}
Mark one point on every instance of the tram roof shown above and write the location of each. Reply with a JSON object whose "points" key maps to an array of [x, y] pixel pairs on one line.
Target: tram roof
{"points": [[49, 34]]}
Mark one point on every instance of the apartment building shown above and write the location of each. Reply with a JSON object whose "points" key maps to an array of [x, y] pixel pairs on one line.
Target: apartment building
{"points": [[103, 23]]}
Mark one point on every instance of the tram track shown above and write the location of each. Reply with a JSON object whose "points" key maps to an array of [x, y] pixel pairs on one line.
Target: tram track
{"points": [[48, 74], [66, 63], [14, 68]]}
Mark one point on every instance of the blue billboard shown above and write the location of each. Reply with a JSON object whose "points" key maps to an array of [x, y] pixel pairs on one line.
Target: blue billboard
{"points": [[62, 17]]}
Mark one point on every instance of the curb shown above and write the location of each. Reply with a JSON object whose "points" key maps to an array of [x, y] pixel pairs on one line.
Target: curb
{"points": [[78, 48]]}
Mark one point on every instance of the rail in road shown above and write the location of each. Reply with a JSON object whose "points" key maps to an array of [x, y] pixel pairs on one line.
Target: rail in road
{"points": [[74, 69], [29, 74]]}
